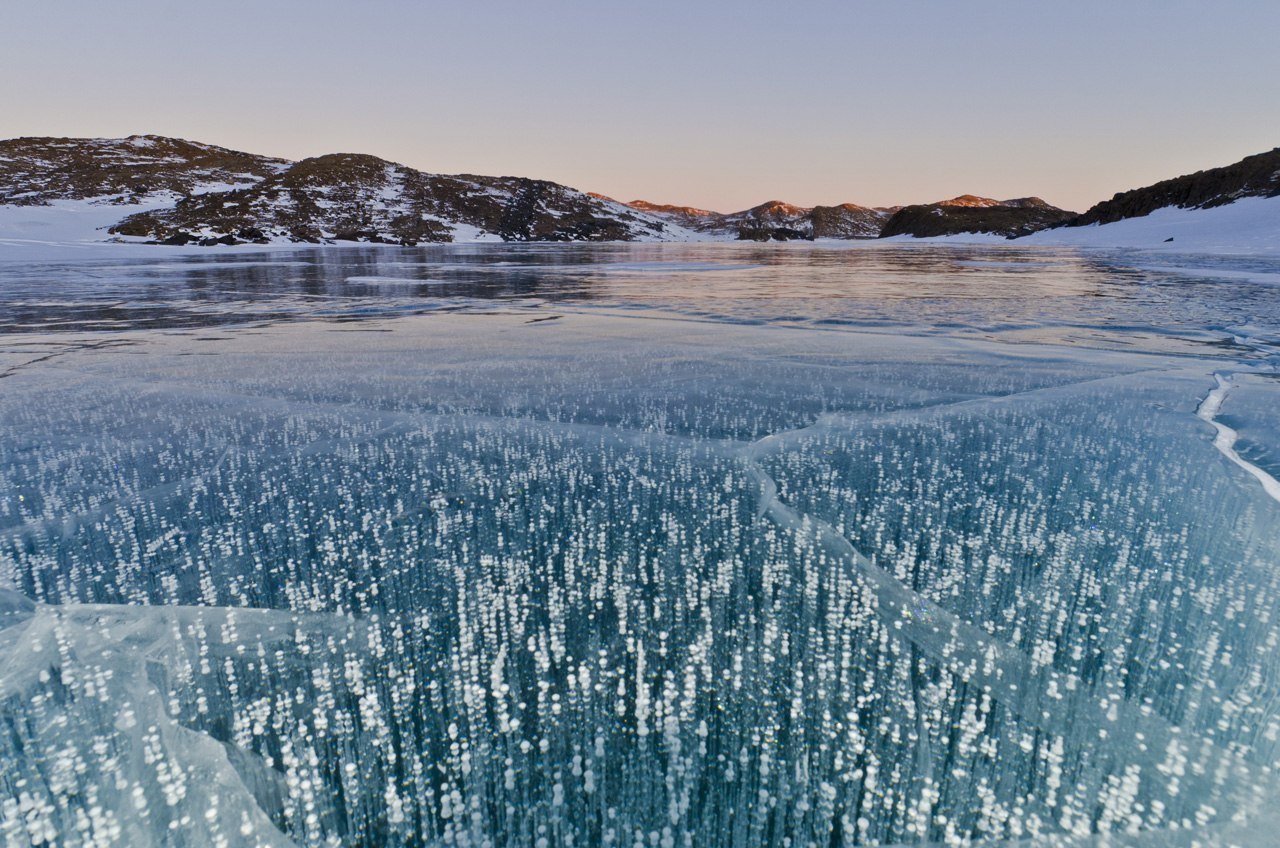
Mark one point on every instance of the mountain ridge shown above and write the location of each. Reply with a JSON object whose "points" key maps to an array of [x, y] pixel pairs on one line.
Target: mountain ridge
{"points": [[158, 189]]}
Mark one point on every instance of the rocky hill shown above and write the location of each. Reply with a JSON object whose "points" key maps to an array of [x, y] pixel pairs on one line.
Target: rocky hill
{"points": [[354, 197], [182, 192], [776, 220], [1253, 176], [848, 220], [137, 169], [972, 214]]}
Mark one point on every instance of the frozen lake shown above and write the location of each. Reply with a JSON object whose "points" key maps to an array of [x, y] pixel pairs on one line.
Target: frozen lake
{"points": [[653, 545]]}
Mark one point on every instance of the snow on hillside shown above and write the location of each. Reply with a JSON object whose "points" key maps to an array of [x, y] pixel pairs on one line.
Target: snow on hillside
{"points": [[67, 229], [59, 194], [68, 225], [1249, 225]]}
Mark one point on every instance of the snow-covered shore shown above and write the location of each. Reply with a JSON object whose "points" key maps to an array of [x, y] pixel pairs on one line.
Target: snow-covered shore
{"points": [[68, 229], [1250, 225]]}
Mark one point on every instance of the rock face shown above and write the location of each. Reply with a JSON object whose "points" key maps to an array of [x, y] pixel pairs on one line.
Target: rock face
{"points": [[972, 214], [353, 197], [1253, 176], [848, 221], [36, 171], [776, 220]]}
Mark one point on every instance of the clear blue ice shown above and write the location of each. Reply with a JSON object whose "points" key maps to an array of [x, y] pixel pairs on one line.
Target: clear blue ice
{"points": [[641, 546]]}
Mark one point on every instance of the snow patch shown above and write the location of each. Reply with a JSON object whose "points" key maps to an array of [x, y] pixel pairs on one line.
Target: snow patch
{"points": [[1249, 225]]}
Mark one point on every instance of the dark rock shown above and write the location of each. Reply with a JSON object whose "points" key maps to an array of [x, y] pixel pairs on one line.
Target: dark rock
{"points": [[359, 235], [1253, 176], [1010, 218], [212, 241], [847, 221], [760, 233], [136, 226]]}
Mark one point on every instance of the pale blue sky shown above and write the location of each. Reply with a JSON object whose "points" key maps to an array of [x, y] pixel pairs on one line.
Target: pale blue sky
{"points": [[715, 104]]}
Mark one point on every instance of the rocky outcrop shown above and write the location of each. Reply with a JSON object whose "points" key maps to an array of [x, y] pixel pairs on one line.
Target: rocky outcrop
{"points": [[38, 171], [1253, 176], [972, 214], [848, 221], [771, 220], [355, 197]]}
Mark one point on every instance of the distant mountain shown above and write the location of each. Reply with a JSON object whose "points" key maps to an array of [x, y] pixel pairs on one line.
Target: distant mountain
{"points": [[187, 192], [776, 220], [972, 214], [1253, 176], [686, 216], [973, 201], [125, 171]]}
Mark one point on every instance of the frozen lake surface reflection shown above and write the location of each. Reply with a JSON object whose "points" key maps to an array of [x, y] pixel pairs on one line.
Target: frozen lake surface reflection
{"points": [[640, 545]]}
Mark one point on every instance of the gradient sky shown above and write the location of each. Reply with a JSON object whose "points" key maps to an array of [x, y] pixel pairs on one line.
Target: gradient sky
{"points": [[714, 104]]}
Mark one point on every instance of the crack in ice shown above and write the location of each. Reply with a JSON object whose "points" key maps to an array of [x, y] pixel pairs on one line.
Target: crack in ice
{"points": [[1225, 437], [1053, 701]]}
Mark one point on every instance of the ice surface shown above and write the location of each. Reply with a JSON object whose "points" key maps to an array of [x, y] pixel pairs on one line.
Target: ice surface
{"points": [[577, 552]]}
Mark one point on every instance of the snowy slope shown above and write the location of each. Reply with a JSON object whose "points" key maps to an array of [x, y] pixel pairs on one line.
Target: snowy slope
{"points": [[68, 192], [1249, 225], [66, 222]]}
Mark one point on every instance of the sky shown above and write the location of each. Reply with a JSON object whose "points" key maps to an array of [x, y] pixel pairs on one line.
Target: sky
{"points": [[720, 105]]}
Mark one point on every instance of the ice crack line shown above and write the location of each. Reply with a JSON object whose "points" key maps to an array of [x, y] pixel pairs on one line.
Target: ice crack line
{"points": [[1056, 702], [1226, 437], [71, 348]]}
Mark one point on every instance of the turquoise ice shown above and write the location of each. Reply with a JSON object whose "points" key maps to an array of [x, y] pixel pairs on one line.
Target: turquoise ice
{"points": [[664, 545]]}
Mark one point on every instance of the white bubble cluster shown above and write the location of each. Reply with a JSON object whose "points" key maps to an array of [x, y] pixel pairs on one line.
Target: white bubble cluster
{"points": [[424, 594]]}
